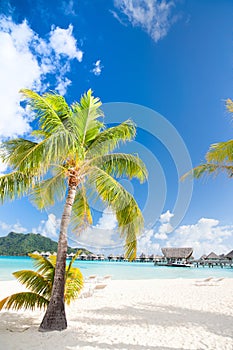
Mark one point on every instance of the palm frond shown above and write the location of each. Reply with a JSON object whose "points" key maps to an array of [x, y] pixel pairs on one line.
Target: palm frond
{"points": [[46, 192], [209, 168], [87, 112], [34, 281], [229, 105], [42, 264], [51, 109], [72, 261], [25, 155], [15, 184], [220, 152], [26, 300], [74, 284], [129, 216], [118, 164], [107, 140], [81, 213], [16, 150]]}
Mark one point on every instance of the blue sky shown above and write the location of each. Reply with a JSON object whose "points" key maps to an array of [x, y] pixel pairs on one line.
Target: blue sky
{"points": [[173, 57]]}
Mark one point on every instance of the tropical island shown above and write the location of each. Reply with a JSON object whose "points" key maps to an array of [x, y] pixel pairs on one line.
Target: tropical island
{"points": [[21, 244]]}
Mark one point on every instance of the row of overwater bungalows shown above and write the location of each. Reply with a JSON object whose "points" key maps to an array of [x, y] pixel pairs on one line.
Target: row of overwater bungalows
{"points": [[171, 256]]}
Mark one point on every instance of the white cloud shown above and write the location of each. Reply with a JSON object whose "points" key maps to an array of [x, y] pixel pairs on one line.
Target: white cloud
{"points": [[107, 221], [204, 236], [165, 226], [49, 228], [97, 68], [102, 235], [62, 85], [166, 217], [5, 228], [63, 43], [26, 60], [18, 69], [153, 16], [147, 243]]}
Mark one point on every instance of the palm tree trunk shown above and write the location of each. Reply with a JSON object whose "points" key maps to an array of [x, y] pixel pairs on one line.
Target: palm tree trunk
{"points": [[55, 316]]}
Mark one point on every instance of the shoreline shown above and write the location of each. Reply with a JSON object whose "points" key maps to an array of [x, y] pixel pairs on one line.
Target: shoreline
{"points": [[133, 315]]}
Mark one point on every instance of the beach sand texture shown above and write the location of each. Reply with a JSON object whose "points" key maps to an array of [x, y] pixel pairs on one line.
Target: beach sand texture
{"points": [[132, 315]]}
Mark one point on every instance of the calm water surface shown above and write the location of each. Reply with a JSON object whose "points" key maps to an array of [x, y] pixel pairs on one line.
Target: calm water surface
{"points": [[119, 270]]}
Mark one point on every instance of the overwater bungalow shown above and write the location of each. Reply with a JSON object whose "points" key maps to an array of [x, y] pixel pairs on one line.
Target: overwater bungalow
{"points": [[101, 257], [229, 256], [70, 256], [152, 257], [83, 256], [121, 257], [143, 257], [92, 257], [212, 256], [176, 257], [203, 257], [111, 257]]}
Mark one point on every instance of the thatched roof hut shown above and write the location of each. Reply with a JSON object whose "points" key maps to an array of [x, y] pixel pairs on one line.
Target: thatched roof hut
{"points": [[101, 257], [212, 256], [229, 255], [112, 257], [83, 256], [152, 257], [203, 257], [177, 253]]}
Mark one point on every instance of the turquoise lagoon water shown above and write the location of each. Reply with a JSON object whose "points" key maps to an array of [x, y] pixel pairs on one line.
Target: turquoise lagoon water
{"points": [[119, 270]]}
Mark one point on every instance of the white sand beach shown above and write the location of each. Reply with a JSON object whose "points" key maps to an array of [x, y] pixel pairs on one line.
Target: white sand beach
{"points": [[132, 315]]}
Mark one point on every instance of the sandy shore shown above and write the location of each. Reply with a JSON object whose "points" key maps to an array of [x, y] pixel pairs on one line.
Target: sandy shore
{"points": [[135, 315]]}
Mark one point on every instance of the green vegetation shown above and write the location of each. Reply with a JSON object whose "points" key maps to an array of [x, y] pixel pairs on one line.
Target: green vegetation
{"points": [[22, 244], [70, 157], [40, 284], [219, 158]]}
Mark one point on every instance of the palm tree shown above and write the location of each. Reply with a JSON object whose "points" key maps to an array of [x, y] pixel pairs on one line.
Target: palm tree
{"points": [[70, 156], [219, 157], [40, 284]]}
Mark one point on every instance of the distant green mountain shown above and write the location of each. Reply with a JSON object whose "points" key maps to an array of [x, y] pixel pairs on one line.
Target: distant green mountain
{"points": [[22, 244]]}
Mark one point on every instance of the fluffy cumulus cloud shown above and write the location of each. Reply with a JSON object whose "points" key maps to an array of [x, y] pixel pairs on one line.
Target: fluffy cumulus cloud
{"points": [[107, 221], [165, 226], [147, 243], [153, 16], [102, 236], [5, 228], [63, 43], [27, 61], [97, 68], [204, 236], [49, 228]]}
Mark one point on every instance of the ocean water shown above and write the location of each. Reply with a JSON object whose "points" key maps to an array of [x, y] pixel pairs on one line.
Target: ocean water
{"points": [[118, 270]]}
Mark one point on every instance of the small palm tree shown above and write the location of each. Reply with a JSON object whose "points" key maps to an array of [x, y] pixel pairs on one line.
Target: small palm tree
{"points": [[70, 157], [40, 284], [219, 158]]}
